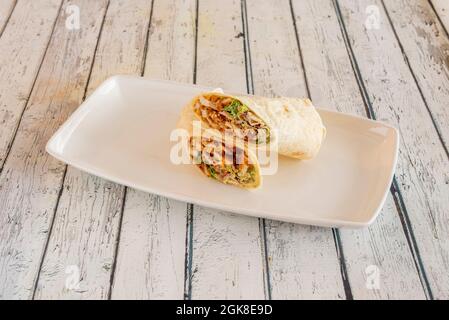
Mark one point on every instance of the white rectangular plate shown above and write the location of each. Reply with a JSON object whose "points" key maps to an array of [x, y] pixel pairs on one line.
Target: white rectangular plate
{"points": [[121, 133]]}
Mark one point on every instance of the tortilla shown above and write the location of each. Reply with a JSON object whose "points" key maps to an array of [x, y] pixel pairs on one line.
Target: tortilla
{"points": [[292, 123]]}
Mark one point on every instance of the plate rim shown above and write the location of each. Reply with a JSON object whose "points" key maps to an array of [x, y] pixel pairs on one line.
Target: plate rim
{"points": [[322, 222]]}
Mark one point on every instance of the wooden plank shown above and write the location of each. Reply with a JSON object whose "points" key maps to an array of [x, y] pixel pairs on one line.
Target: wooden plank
{"points": [[31, 179], [151, 254], [426, 47], [80, 253], [171, 44], [22, 46], [86, 226], [379, 261], [423, 167], [303, 261], [227, 256], [150, 262], [333, 85], [442, 9], [6, 8]]}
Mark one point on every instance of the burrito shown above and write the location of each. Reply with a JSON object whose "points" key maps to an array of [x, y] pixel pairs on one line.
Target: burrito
{"points": [[292, 123], [220, 157]]}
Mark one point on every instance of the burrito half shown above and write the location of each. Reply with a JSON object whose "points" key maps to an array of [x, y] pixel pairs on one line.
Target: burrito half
{"points": [[227, 160], [292, 123]]}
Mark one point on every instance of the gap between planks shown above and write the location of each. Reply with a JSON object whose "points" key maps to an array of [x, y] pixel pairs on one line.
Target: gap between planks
{"points": [[125, 191], [5, 19], [188, 263], [250, 90], [248, 48], [335, 232], [434, 116], [30, 91], [400, 205], [61, 187], [333, 84]]}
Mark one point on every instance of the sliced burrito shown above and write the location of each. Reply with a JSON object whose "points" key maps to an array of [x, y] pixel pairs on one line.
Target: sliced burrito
{"points": [[292, 123], [225, 159]]}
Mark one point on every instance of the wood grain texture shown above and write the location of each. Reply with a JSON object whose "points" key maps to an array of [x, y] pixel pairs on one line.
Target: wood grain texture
{"points": [[423, 168], [6, 8], [86, 226], [379, 261], [426, 47], [333, 85], [442, 9], [151, 254], [80, 252], [81, 232], [150, 262], [31, 179], [227, 256], [303, 261], [22, 47], [171, 44]]}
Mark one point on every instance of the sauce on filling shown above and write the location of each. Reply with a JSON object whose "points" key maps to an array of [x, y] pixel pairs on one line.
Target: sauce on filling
{"points": [[232, 167], [223, 113]]}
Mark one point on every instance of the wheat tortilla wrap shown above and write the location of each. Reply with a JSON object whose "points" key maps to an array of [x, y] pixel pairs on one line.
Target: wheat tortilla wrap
{"points": [[292, 123]]}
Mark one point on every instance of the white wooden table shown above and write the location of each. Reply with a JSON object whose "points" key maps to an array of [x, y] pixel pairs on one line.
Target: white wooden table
{"points": [[67, 234]]}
